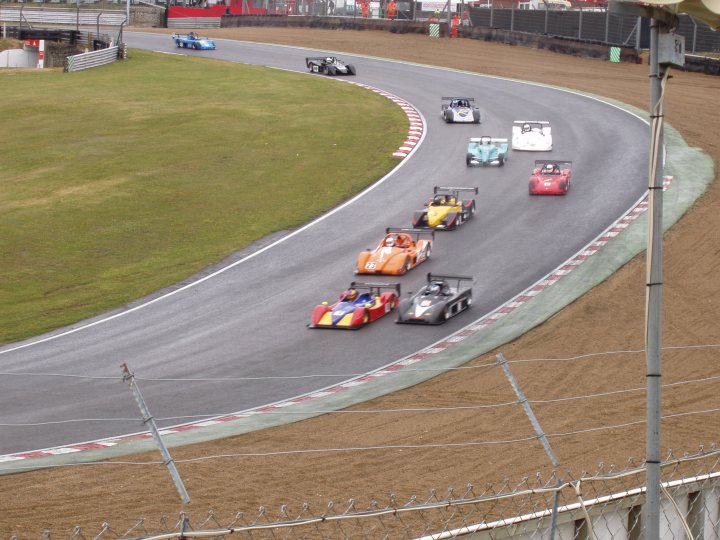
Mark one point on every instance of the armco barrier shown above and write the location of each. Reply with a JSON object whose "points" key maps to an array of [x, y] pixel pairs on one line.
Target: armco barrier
{"points": [[92, 59], [193, 22]]}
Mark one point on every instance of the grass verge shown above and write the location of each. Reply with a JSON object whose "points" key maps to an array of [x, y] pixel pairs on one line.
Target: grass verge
{"points": [[118, 181]]}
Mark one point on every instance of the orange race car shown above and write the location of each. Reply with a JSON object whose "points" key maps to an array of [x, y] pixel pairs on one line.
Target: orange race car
{"points": [[398, 252]]}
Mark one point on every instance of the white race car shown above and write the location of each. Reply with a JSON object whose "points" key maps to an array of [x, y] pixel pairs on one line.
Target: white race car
{"points": [[459, 109], [532, 135]]}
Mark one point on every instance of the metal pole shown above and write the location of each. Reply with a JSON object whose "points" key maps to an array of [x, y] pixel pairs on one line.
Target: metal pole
{"points": [[150, 421], [512, 16], [538, 430], [654, 277], [580, 24], [607, 24]]}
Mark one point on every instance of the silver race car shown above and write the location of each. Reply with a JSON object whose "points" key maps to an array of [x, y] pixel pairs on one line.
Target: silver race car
{"points": [[443, 297], [329, 65], [459, 110]]}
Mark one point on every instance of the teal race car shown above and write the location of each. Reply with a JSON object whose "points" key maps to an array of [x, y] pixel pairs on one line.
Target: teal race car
{"points": [[487, 150]]}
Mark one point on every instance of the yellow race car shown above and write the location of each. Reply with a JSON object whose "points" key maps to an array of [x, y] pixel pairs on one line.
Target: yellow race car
{"points": [[447, 209]]}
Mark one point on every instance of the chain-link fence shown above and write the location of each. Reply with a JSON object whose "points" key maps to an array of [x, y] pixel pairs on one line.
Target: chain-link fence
{"points": [[604, 505]]}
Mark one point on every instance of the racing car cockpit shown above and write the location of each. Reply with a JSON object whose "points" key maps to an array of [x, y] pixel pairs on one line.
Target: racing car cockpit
{"points": [[438, 288], [550, 168], [460, 103]]}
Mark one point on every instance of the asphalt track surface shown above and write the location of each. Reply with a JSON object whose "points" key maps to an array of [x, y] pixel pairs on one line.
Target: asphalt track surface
{"points": [[250, 321]]}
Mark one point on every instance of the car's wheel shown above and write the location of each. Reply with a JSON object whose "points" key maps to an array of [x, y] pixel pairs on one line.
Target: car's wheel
{"points": [[468, 159], [366, 317], [448, 117], [196, 46], [351, 69], [501, 160], [476, 117], [392, 303]]}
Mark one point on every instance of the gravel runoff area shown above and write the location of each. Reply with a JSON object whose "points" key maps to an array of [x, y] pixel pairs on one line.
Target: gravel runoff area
{"points": [[609, 318]]}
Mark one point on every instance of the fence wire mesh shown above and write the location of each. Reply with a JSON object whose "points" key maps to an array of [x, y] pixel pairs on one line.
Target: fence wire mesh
{"points": [[604, 505]]}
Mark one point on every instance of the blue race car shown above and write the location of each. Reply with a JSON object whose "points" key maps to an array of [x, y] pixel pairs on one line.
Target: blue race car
{"points": [[487, 151], [193, 41]]}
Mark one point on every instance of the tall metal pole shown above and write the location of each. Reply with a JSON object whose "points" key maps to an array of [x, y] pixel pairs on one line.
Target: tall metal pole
{"points": [[654, 277]]}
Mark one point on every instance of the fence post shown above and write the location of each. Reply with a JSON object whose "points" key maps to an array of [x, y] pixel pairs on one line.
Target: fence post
{"points": [[538, 430], [512, 16], [580, 24], [607, 24], [150, 421]]}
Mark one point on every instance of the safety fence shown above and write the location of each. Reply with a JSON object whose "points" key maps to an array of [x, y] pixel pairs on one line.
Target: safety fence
{"points": [[67, 17], [607, 505], [596, 25]]}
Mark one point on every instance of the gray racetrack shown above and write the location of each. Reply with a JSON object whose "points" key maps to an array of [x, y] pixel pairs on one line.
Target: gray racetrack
{"points": [[250, 321]]}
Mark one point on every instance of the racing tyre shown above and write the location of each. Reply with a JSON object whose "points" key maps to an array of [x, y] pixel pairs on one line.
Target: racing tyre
{"points": [[351, 69], [468, 159], [392, 303], [195, 46], [501, 161], [448, 118]]}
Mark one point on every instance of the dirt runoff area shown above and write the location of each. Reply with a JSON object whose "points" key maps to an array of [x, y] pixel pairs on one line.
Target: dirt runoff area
{"points": [[609, 318]]}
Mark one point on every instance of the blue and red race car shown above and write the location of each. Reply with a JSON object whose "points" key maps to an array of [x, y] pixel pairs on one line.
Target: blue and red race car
{"points": [[360, 304]]}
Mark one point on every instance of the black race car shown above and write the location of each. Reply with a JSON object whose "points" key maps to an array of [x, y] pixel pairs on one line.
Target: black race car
{"points": [[329, 65], [443, 297]]}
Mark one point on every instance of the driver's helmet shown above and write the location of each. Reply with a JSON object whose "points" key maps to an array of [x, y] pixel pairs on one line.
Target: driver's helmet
{"points": [[329, 59], [351, 295], [439, 200], [548, 169], [526, 128], [434, 287], [390, 241], [451, 201]]}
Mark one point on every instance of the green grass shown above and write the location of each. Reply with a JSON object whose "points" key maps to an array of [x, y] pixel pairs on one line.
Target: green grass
{"points": [[121, 180]]}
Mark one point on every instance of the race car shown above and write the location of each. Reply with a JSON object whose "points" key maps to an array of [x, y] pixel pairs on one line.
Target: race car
{"points": [[532, 135], [442, 298], [550, 177], [400, 251], [459, 110], [360, 304], [193, 41], [487, 151], [329, 65], [446, 210]]}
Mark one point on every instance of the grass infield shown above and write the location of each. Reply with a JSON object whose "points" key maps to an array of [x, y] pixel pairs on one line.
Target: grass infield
{"points": [[118, 181]]}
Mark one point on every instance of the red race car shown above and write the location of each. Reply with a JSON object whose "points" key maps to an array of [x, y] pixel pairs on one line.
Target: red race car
{"points": [[357, 306], [550, 177]]}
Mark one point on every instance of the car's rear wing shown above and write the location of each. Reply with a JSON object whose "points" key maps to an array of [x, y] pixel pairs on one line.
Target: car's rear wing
{"points": [[448, 277], [562, 164], [488, 139], [375, 287], [542, 122], [451, 190], [456, 97], [416, 232]]}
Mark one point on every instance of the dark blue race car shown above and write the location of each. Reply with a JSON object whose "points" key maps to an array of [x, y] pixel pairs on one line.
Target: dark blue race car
{"points": [[193, 41]]}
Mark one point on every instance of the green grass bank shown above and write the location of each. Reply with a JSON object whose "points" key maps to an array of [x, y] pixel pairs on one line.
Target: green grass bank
{"points": [[118, 181]]}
